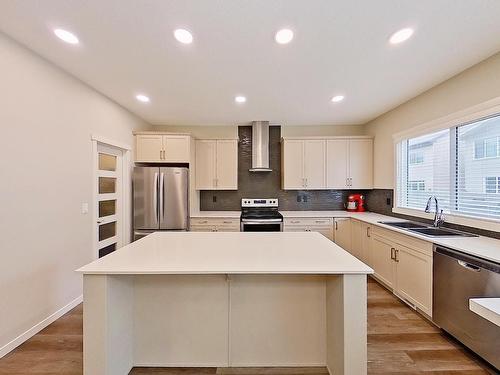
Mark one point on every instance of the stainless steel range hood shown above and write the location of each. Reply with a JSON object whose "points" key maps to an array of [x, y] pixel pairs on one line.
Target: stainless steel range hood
{"points": [[260, 147]]}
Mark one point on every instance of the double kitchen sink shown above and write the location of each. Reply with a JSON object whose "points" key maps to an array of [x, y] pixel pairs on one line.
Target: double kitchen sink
{"points": [[426, 230]]}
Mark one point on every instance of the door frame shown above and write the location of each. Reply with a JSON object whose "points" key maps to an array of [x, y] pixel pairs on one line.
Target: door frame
{"points": [[126, 203]]}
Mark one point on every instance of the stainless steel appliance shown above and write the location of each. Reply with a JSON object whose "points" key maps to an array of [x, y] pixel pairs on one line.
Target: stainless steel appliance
{"points": [[160, 199], [457, 278], [260, 215]]}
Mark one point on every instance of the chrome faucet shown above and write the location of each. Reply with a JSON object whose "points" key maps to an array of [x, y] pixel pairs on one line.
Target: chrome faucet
{"points": [[439, 216]]}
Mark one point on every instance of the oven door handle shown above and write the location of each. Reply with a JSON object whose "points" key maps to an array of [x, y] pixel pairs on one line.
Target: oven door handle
{"points": [[254, 222]]}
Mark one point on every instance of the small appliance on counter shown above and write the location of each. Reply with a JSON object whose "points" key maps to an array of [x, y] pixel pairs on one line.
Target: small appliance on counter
{"points": [[356, 203]]}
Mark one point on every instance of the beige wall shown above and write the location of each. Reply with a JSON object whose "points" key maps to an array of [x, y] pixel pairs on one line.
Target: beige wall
{"points": [[201, 132], [322, 130], [47, 118], [473, 86]]}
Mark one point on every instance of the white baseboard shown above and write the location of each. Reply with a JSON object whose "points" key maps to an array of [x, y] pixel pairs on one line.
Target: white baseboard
{"points": [[7, 348]]}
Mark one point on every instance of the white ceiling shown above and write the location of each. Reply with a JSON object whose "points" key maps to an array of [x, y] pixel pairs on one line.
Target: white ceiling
{"points": [[340, 46]]}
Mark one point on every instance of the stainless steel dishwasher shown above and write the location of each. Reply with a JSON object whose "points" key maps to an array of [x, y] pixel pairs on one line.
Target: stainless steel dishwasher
{"points": [[457, 278]]}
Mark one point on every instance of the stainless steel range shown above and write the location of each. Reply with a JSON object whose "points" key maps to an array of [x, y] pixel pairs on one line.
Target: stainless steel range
{"points": [[260, 215]]}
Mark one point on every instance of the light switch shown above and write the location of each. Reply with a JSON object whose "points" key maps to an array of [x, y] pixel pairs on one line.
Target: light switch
{"points": [[85, 208]]}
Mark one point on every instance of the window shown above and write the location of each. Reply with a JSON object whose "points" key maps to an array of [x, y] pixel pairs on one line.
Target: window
{"points": [[487, 148], [416, 185], [492, 185], [461, 168], [416, 158]]}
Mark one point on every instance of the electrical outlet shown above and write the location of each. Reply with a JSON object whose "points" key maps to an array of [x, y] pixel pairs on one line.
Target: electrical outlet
{"points": [[388, 201], [299, 199], [304, 198], [214, 198]]}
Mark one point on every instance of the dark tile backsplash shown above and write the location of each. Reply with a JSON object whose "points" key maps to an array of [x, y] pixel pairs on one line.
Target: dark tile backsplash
{"points": [[268, 185]]}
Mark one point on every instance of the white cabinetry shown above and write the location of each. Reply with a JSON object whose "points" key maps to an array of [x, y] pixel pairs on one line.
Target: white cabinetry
{"points": [[327, 163], [207, 224], [360, 240], [404, 264], [343, 233], [303, 164], [349, 163], [320, 225], [162, 148], [217, 164]]}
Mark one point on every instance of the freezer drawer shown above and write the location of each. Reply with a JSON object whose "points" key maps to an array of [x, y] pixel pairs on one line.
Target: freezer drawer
{"points": [[457, 278]]}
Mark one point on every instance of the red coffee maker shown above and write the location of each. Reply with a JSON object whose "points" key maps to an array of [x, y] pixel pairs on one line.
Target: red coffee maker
{"points": [[356, 203]]}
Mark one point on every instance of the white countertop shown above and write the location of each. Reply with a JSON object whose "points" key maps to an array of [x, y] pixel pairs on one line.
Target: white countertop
{"points": [[488, 308], [229, 253], [483, 247]]}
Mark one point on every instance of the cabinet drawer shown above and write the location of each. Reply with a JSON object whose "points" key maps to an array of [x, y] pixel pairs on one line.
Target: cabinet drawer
{"points": [[319, 221], [215, 221], [202, 228]]}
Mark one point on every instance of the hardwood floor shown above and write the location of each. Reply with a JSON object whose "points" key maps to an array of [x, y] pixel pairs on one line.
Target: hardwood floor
{"points": [[400, 342]]}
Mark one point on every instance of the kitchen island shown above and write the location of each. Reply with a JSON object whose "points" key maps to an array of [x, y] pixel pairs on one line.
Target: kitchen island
{"points": [[189, 299]]}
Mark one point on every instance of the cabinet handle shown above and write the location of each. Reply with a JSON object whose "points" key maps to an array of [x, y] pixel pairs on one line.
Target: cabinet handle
{"points": [[320, 221], [294, 221], [396, 255], [227, 222], [368, 232], [336, 226], [161, 154], [306, 182], [393, 251], [204, 222]]}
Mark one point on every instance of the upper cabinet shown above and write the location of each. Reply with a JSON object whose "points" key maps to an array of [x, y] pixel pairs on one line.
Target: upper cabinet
{"points": [[216, 164], [329, 163], [303, 164], [162, 148]]}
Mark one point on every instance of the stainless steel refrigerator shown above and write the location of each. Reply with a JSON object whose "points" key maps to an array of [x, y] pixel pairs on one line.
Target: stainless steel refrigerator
{"points": [[160, 199]]}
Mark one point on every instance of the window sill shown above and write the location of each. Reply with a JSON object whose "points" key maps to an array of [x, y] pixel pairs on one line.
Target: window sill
{"points": [[486, 224]]}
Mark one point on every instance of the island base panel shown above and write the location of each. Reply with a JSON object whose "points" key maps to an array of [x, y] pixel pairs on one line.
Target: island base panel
{"points": [[222, 321]]}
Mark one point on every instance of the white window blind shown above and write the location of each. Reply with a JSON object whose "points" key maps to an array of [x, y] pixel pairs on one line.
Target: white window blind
{"points": [[460, 166]]}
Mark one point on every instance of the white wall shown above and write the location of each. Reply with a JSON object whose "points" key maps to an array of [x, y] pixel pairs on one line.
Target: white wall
{"points": [[201, 132], [46, 119], [322, 130], [471, 87]]}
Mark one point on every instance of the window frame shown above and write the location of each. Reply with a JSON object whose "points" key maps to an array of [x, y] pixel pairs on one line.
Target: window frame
{"points": [[481, 111]]}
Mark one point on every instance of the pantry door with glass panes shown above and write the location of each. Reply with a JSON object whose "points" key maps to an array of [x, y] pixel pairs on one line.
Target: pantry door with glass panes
{"points": [[109, 201]]}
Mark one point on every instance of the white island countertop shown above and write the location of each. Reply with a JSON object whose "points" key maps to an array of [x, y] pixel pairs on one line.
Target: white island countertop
{"points": [[488, 308], [229, 253]]}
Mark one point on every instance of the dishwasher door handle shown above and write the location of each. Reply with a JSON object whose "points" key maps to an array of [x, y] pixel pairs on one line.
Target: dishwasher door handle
{"points": [[468, 266]]}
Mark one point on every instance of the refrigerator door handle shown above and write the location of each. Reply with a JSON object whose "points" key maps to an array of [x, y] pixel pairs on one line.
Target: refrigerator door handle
{"points": [[162, 204], [155, 196]]}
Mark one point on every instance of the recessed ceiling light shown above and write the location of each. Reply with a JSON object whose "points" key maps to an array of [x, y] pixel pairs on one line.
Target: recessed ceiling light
{"points": [[401, 36], [142, 98], [240, 99], [337, 98], [284, 36], [183, 36], [66, 36]]}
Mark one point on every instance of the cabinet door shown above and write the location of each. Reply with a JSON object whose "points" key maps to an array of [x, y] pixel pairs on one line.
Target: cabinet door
{"points": [[361, 163], [382, 263], [336, 163], [227, 165], [357, 240], [205, 164], [176, 148], [149, 148], [324, 230], [293, 165], [366, 243], [343, 233], [314, 164], [414, 278]]}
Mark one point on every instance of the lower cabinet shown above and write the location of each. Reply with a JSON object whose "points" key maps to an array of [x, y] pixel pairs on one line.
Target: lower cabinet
{"points": [[320, 225], [343, 233], [207, 224], [404, 264], [360, 240]]}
